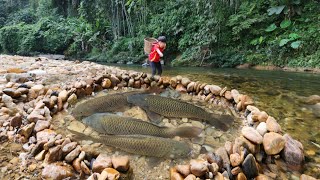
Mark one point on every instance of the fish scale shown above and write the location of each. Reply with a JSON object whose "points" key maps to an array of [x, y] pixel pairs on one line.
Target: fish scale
{"points": [[106, 103], [147, 145], [158, 105], [113, 124], [175, 108]]}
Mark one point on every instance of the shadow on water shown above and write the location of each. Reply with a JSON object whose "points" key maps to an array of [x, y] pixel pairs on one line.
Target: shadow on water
{"points": [[278, 93]]}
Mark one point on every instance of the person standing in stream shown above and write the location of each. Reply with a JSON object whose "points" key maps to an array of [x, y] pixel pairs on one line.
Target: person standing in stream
{"points": [[156, 54]]}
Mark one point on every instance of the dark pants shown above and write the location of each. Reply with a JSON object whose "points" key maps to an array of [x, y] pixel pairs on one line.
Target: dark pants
{"points": [[156, 66]]}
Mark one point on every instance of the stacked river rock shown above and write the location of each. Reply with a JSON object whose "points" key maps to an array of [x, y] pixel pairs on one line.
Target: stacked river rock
{"points": [[30, 97]]}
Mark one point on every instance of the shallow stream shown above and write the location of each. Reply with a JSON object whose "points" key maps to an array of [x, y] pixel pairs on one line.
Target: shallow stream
{"points": [[278, 93]]}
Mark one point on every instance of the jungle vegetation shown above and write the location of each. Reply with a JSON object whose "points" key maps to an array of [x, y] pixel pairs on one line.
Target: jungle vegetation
{"points": [[220, 33]]}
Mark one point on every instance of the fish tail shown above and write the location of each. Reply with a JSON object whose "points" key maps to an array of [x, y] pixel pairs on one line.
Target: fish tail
{"points": [[79, 136], [222, 122], [186, 132]]}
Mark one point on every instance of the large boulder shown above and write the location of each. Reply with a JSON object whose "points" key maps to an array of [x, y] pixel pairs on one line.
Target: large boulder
{"points": [[293, 152]]}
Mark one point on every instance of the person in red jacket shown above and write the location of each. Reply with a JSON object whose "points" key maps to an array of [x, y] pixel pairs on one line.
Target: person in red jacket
{"points": [[156, 54]]}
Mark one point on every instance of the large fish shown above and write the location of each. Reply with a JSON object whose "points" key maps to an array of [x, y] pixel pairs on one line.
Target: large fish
{"points": [[113, 124], [169, 107], [143, 145], [106, 103]]}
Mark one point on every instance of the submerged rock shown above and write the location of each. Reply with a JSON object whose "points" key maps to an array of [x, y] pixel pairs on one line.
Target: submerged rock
{"points": [[293, 153]]}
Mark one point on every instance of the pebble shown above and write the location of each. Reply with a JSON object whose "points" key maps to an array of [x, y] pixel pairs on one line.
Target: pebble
{"points": [[198, 167], [213, 158], [235, 171], [57, 171], [84, 168], [73, 154], [16, 121], [306, 177], [76, 164], [272, 125], [69, 147], [185, 81], [241, 176], [190, 177], [251, 134], [121, 163], [40, 156], [45, 135], [222, 152], [174, 175], [235, 159], [228, 146], [41, 125], [103, 161], [273, 143], [262, 128], [214, 168], [27, 130], [54, 154], [183, 169], [109, 174], [72, 99], [249, 167], [219, 176]]}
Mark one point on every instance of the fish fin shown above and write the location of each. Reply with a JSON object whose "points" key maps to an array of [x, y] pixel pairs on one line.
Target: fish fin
{"points": [[79, 136], [138, 100], [154, 161], [227, 119], [154, 117], [218, 124], [222, 122], [187, 132]]}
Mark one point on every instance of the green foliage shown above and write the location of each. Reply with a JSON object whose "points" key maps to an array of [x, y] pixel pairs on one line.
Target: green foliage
{"points": [[218, 33], [285, 23], [271, 28]]}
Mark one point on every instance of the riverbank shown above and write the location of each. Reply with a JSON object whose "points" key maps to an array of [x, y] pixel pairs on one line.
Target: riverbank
{"points": [[30, 100]]}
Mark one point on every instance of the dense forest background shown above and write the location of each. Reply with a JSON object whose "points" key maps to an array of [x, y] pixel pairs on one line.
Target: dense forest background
{"points": [[221, 33]]}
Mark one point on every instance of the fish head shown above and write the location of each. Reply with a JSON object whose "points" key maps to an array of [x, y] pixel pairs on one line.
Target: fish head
{"points": [[180, 150], [86, 120], [81, 111]]}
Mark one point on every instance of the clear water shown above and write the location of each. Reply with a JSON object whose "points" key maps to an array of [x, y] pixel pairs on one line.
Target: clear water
{"points": [[276, 92]]}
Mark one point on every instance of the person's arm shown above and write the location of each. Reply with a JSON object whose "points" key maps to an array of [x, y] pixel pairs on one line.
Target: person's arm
{"points": [[159, 52]]}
